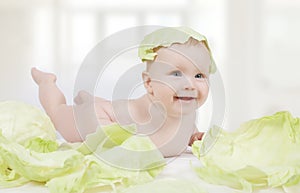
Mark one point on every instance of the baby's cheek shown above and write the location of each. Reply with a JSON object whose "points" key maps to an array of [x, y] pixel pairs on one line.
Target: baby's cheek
{"points": [[163, 89], [204, 89], [170, 83], [203, 94]]}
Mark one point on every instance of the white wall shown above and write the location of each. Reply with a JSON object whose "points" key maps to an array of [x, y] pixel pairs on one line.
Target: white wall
{"points": [[262, 61], [255, 44]]}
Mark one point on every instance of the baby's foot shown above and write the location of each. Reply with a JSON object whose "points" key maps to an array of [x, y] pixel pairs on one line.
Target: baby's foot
{"points": [[83, 97], [42, 77]]}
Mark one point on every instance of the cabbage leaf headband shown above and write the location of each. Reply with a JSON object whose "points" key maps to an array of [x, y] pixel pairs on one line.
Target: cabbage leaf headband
{"points": [[165, 37]]}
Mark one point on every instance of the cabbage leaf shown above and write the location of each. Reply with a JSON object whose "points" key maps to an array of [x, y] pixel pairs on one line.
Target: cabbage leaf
{"points": [[167, 185], [262, 153], [114, 167], [31, 153], [21, 122], [36, 166]]}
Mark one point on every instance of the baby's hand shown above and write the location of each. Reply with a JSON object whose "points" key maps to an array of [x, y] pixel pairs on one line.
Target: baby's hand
{"points": [[196, 136]]}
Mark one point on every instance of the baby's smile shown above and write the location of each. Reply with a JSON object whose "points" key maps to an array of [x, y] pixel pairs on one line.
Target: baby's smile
{"points": [[187, 99], [184, 98]]}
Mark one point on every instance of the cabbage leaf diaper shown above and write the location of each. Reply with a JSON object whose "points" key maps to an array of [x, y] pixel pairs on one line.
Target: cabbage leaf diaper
{"points": [[261, 153], [105, 138]]}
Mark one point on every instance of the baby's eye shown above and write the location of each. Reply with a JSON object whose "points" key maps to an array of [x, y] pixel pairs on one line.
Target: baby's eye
{"points": [[199, 75], [176, 73]]}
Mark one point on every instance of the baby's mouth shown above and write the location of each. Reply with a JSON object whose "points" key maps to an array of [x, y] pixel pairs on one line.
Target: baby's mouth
{"points": [[184, 98]]}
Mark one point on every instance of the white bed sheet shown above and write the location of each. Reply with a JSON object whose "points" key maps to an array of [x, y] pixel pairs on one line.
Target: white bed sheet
{"points": [[179, 167]]}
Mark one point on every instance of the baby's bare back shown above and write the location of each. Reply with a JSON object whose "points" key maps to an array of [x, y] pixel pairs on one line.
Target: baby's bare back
{"points": [[109, 112]]}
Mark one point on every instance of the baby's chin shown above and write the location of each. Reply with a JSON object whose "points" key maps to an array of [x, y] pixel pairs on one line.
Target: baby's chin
{"points": [[182, 110]]}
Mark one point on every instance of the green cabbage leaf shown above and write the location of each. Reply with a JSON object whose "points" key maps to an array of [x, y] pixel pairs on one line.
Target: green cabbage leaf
{"points": [[21, 122], [131, 160], [36, 166], [29, 151], [165, 186], [262, 153]]}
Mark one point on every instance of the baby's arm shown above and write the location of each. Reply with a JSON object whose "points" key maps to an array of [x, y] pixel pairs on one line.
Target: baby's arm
{"points": [[54, 102]]}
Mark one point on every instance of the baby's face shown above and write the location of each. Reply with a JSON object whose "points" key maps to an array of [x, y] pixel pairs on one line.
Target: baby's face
{"points": [[179, 77]]}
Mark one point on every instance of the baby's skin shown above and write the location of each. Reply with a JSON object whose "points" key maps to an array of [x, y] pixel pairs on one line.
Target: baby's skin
{"points": [[176, 82]]}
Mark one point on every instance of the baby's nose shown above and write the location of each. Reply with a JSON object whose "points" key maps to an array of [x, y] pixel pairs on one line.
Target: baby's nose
{"points": [[189, 85]]}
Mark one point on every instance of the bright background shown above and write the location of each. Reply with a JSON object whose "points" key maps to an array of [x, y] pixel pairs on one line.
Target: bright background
{"points": [[255, 44]]}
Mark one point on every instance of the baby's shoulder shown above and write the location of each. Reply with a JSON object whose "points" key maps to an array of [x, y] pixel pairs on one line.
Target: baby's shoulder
{"points": [[123, 105]]}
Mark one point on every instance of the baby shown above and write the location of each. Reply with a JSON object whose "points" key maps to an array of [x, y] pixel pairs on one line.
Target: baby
{"points": [[178, 65]]}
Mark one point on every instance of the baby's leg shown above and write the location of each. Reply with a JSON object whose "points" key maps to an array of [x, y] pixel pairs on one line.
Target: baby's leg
{"points": [[54, 103], [49, 94]]}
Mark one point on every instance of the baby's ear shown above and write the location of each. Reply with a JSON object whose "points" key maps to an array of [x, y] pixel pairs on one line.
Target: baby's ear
{"points": [[147, 82]]}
